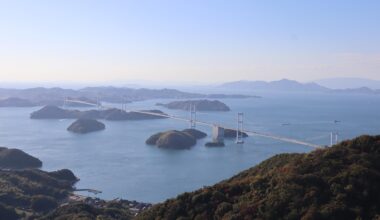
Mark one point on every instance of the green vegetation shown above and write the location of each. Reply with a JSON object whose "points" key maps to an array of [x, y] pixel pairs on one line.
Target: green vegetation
{"points": [[341, 182], [200, 105], [111, 211], [176, 139], [84, 125], [32, 191], [36, 194]]}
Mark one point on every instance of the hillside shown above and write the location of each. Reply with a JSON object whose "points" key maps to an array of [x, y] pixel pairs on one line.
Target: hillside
{"points": [[36, 194], [33, 192], [340, 182]]}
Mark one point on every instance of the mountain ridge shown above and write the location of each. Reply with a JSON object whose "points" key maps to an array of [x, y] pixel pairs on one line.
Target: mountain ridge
{"points": [[286, 85]]}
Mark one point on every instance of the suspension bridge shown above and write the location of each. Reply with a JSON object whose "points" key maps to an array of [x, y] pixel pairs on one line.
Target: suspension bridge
{"points": [[194, 121]]}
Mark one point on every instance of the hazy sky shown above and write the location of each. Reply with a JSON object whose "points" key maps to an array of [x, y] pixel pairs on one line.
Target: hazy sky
{"points": [[197, 41]]}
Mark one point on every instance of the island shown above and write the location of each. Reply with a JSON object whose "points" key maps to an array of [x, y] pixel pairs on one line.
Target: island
{"points": [[174, 139], [200, 105], [215, 144], [197, 134], [54, 112], [85, 125], [112, 114], [17, 159], [16, 102]]}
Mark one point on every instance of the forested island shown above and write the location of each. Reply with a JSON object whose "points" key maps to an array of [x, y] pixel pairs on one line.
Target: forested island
{"points": [[84, 125], [174, 139], [199, 105], [112, 114]]}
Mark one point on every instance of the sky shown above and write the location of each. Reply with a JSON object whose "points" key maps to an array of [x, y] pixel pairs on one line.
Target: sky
{"points": [[202, 41]]}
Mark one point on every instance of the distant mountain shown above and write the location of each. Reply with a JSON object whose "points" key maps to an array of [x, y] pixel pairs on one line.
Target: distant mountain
{"points": [[280, 85], [55, 96], [349, 83], [361, 90], [286, 85]]}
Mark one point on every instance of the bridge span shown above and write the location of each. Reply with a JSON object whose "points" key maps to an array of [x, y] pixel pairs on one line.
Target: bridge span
{"points": [[204, 123]]}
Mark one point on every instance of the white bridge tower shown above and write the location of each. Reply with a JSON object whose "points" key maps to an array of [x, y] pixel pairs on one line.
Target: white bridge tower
{"points": [[193, 117], [333, 138]]}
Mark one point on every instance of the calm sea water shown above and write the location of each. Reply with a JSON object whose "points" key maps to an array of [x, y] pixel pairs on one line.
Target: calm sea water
{"points": [[117, 161]]}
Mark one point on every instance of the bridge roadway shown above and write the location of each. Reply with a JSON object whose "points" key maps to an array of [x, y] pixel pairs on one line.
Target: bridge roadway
{"points": [[254, 133], [80, 102]]}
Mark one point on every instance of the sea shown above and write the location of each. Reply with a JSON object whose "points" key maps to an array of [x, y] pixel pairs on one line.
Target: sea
{"points": [[117, 161]]}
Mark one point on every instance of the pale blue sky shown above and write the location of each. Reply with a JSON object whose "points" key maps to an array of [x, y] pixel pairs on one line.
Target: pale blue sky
{"points": [[197, 41]]}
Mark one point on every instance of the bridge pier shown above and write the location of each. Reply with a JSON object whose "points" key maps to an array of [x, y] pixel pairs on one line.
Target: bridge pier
{"points": [[217, 134]]}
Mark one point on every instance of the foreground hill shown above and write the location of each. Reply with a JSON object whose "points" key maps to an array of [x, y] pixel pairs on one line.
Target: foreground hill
{"points": [[32, 192], [36, 194], [340, 182]]}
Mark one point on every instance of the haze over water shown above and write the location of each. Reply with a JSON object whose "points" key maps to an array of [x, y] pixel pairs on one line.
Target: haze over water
{"points": [[118, 162]]}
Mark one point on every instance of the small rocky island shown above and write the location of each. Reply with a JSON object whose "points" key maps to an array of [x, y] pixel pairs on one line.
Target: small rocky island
{"points": [[215, 144], [176, 139], [17, 159], [84, 125], [200, 105], [113, 114]]}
